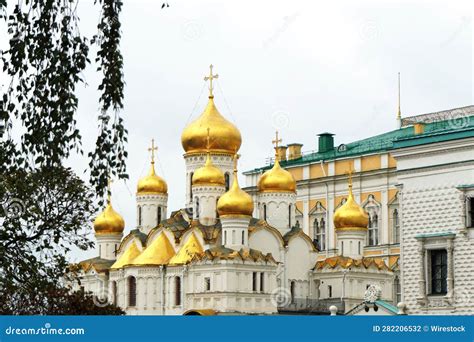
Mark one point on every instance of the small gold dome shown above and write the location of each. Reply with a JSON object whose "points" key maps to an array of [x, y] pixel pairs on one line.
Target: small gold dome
{"points": [[109, 222], [225, 137], [235, 202], [152, 183], [277, 179], [208, 174], [351, 215]]}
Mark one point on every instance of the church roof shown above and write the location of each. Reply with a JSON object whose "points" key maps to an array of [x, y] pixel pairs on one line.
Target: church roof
{"points": [[244, 254], [346, 262], [98, 264]]}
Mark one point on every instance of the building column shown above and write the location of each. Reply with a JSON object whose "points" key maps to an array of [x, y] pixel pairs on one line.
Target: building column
{"points": [[422, 281], [450, 275], [306, 217]]}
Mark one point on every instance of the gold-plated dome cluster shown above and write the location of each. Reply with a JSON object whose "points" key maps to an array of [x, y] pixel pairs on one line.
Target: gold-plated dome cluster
{"points": [[225, 137], [235, 202], [152, 184], [276, 179], [208, 174], [350, 215], [109, 221]]}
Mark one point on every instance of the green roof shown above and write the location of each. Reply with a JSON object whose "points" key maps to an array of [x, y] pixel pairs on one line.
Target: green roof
{"points": [[443, 130], [388, 306]]}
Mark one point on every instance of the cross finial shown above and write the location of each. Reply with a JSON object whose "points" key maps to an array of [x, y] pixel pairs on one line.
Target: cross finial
{"points": [[210, 78], [236, 158], [152, 149], [275, 142], [350, 177]]}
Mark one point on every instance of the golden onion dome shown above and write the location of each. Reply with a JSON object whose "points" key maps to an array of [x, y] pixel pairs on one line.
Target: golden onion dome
{"points": [[350, 215], [159, 252], [277, 179], [208, 174], [235, 202], [225, 137], [109, 221], [152, 183]]}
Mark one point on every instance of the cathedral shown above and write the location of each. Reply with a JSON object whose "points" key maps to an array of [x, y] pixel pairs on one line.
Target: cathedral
{"points": [[307, 233]]}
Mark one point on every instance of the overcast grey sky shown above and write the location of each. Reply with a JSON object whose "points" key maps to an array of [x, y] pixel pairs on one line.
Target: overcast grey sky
{"points": [[303, 67]]}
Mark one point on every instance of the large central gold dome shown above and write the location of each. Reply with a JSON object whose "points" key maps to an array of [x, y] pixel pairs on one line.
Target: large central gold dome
{"points": [[224, 137]]}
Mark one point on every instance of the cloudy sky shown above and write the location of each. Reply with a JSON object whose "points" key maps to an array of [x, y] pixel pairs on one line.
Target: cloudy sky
{"points": [[303, 67]]}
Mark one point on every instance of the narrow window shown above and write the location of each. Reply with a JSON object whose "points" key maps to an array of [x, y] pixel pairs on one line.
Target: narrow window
{"points": [[132, 291], [396, 227], [342, 247], [191, 186], [254, 281], [139, 216], [373, 230], [243, 237], [289, 216], [293, 291], [197, 207], [114, 293], [329, 291], [359, 248], [158, 215], [320, 233], [439, 268], [262, 282], [207, 283], [177, 291], [265, 212], [233, 237], [225, 237], [470, 212], [227, 181], [316, 233], [397, 289]]}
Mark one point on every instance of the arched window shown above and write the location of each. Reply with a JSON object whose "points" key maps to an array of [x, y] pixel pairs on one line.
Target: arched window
{"points": [[292, 291], [265, 212], [373, 229], [289, 216], [342, 247], [177, 291], [225, 237], [322, 234], [114, 293], [132, 291], [227, 181], [191, 186], [316, 230], [233, 237], [158, 215], [139, 215], [359, 248], [396, 226], [243, 237], [397, 291], [197, 207]]}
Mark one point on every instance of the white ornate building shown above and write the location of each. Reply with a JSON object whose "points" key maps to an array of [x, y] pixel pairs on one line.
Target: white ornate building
{"points": [[294, 241]]}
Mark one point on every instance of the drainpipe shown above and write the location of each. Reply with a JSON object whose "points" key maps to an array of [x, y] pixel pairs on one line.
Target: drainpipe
{"points": [[327, 209]]}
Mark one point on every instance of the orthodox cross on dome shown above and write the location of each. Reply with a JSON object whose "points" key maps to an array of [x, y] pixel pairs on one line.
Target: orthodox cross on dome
{"points": [[210, 78], [275, 142], [152, 149], [236, 158], [349, 173]]}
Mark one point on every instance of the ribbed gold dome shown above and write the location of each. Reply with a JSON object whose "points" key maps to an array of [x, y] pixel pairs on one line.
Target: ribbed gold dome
{"points": [[277, 179], [235, 202], [208, 174], [350, 215], [109, 222], [225, 137], [152, 183]]}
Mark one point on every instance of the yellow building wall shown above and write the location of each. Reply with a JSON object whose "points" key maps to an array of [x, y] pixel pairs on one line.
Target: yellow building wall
{"points": [[299, 205], [377, 196], [312, 203], [370, 253], [342, 167], [391, 161], [391, 194], [296, 172], [371, 163], [316, 171]]}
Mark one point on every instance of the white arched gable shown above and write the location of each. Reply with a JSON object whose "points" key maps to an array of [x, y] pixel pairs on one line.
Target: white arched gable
{"points": [[300, 258], [266, 241]]}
